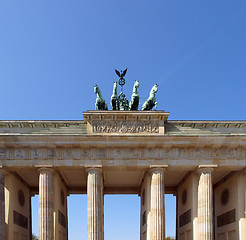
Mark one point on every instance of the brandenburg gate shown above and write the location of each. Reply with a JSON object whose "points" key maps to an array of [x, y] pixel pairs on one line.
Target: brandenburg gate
{"points": [[124, 152]]}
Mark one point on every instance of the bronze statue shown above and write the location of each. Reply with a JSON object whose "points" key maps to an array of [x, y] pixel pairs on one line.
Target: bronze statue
{"points": [[151, 101], [135, 97], [124, 104], [121, 80], [120, 102], [115, 100], [100, 102]]}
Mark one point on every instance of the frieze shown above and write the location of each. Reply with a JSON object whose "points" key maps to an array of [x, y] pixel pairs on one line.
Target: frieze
{"points": [[101, 153], [85, 153], [52, 153], [35, 153], [122, 153], [69, 153], [125, 127], [19, 154], [150, 153], [200, 152], [3, 153], [232, 153], [117, 154], [167, 153], [133, 153]]}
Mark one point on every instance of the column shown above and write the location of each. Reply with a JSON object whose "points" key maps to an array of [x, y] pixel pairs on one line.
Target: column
{"points": [[46, 204], [95, 220], [156, 216], [2, 206], [205, 203]]}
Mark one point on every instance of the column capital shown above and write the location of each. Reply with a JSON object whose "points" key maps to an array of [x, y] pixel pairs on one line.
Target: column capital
{"points": [[47, 168], [158, 168], [94, 168], [206, 168]]}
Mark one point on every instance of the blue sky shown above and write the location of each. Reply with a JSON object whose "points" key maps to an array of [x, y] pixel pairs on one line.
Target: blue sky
{"points": [[53, 52]]}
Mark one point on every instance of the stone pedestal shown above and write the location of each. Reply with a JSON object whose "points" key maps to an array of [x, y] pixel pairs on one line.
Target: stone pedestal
{"points": [[2, 206], [95, 220], [46, 204], [156, 216], [205, 203]]}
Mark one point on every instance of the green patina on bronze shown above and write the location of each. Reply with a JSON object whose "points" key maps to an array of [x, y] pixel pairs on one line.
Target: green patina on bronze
{"points": [[120, 102], [100, 102]]}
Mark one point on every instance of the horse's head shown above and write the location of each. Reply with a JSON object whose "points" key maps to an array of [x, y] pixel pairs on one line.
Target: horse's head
{"points": [[95, 89], [136, 84], [154, 88], [115, 88]]}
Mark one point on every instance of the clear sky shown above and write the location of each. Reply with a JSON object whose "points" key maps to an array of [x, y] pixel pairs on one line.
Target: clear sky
{"points": [[53, 52]]}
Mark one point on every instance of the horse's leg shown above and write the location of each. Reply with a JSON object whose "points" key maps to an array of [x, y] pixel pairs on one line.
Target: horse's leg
{"points": [[155, 105], [145, 105]]}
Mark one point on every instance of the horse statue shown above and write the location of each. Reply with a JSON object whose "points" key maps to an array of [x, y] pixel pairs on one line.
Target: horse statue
{"points": [[100, 102], [151, 101], [135, 97], [115, 100]]}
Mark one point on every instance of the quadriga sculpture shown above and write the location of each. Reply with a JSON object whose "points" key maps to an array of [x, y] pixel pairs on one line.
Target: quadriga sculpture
{"points": [[100, 102], [151, 101]]}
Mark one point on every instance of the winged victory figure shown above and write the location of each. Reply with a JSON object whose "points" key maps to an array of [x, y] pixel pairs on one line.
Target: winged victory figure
{"points": [[121, 75]]}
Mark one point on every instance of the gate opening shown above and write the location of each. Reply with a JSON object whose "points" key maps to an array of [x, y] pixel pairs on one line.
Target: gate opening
{"points": [[121, 217]]}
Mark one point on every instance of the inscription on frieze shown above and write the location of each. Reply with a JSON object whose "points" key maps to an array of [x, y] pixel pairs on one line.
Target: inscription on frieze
{"points": [[20, 220], [226, 218], [185, 218], [125, 127]]}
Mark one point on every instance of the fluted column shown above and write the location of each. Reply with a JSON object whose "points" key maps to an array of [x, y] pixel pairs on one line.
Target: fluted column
{"points": [[46, 204], [156, 216], [205, 203], [95, 204], [2, 206]]}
